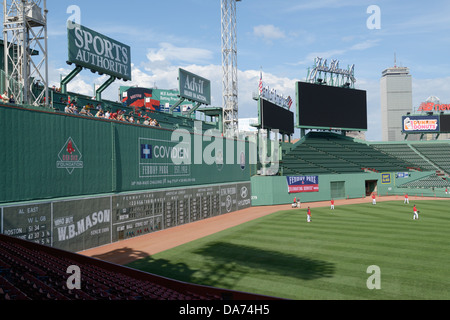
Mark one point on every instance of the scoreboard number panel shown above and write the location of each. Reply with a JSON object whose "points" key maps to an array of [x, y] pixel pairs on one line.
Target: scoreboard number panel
{"points": [[30, 222]]}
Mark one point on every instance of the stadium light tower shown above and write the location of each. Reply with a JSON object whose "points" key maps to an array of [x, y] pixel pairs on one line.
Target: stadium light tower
{"points": [[25, 50], [229, 68]]}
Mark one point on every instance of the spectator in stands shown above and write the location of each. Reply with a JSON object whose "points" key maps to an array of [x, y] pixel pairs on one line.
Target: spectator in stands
{"points": [[5, 97], [107, 114], [113, 116], [146, 121], [83, 111], [68, 109], [75, 109], [121, 115], [100, 114], [11, 99]]}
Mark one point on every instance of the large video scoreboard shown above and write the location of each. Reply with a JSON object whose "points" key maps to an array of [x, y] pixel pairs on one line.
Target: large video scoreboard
{"points": [[272, 116], [327, 107]]}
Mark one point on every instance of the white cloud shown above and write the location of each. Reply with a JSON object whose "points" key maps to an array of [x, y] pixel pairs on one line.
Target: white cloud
{"points": [[168, 53], [268, 32], [332, 54]]}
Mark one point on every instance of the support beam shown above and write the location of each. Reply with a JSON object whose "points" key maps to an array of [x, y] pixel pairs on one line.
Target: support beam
{"points": [[69, 78], [194, 108], [98, 92], [176, 105]]}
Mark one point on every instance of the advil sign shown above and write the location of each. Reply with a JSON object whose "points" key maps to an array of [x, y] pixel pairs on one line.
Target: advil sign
{"points": [[97, 52], [193, 87]]}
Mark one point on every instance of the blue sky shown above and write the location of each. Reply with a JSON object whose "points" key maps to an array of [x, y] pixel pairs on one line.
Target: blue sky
{"points": [[280, 37]]}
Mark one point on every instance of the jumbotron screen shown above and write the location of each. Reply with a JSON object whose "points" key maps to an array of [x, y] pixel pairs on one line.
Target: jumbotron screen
{"points": [[275, 117], [327, 107], [445, 123]]}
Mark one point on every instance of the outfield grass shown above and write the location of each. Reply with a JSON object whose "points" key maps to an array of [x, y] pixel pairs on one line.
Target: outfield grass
{"points": [[284, 256]]}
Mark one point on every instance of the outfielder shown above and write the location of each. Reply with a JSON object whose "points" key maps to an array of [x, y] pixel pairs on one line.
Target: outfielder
{"points": [[406, 199], [308, 215], [416, 213]]}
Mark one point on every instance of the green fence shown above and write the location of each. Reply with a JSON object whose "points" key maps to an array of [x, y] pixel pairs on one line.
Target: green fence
{"points": [[49, 154], [274, 190]]}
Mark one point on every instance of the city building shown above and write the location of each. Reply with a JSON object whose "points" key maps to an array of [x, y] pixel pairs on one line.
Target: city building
{"points": [[396, 101]]}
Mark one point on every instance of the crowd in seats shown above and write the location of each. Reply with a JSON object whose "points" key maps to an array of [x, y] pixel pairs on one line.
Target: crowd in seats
{"points": [[134, 116], [29, 271]]}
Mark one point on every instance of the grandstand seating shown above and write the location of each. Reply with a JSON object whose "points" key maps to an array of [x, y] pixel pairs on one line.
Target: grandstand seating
{"points": [[437, 153], [431, 181], [405, 152], [29, 271], [328, 153]]}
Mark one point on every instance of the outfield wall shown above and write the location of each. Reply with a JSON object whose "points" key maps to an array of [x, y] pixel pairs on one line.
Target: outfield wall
{"points": [[273, 190], [46, 155], [80, 223]]}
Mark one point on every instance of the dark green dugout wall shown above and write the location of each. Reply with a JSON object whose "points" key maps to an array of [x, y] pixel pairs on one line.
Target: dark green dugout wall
{"points": [[47, 155]]}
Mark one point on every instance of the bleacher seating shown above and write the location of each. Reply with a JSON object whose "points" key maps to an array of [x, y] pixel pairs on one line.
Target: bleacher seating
{"points": [[437, 153], [405, 152], [321, 152], [431, 181], [29, 271]]}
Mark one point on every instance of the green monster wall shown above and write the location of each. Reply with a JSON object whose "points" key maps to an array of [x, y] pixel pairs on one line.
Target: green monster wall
{"points": [[47, 155]]}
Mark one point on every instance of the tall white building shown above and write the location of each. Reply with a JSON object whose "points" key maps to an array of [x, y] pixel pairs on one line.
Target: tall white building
{"points": [[396, 101]]}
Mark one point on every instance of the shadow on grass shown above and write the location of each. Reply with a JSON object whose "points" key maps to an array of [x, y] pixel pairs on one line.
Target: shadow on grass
{"points": [[267, 261], [225, 265]]}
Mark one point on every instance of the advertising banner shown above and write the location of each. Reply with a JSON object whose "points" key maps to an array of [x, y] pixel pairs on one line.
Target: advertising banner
{"points": [[140, 98], [81, 224], [413, 124], [97, 52], [193, 87], [302, 184]]}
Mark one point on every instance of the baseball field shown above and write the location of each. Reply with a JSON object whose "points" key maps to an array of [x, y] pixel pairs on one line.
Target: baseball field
{"points": [[356, 251]]}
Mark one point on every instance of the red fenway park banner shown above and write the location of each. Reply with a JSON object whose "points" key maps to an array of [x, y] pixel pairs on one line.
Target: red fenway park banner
{"points": [[303, 184]]}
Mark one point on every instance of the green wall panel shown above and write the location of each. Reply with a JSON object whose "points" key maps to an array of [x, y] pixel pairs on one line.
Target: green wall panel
{"points": [[49, 154]]}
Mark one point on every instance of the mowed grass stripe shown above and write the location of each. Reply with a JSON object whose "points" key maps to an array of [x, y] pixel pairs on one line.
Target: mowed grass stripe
{"points": [[283, 255]]}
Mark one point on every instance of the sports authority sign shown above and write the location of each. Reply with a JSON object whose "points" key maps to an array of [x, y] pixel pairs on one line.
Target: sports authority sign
{"points": [[302, 184], [97, 52]]}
